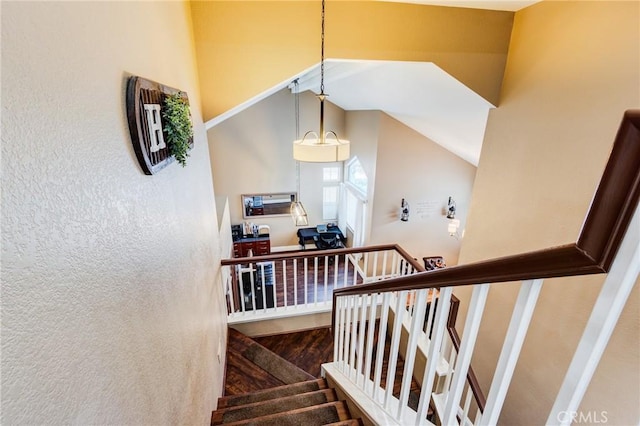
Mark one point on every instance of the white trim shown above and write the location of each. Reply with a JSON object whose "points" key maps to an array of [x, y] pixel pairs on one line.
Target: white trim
{"points": [[371, 408], [281, 312]]}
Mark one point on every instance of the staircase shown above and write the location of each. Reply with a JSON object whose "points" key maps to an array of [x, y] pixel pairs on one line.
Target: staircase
{"points": [[269, 390]]}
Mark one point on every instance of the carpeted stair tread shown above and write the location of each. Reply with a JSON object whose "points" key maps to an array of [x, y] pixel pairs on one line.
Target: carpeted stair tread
{"points": [[238, 368], [350, 422], [324, 414], [272, 393], [257, 354], [273, 406]]}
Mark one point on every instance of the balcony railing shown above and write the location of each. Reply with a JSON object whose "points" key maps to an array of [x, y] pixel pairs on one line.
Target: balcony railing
{"points": [[299, 283]]}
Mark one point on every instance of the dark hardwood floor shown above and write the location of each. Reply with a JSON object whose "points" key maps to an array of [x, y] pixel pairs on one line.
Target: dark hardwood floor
{"points": [[298, 284]]}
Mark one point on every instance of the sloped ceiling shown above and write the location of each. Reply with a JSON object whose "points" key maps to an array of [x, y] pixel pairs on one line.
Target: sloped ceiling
{"points": [[418, 94]]}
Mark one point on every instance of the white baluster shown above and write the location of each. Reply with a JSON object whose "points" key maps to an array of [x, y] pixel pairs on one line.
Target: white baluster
{"points": [[375, 266], [315, 280], [346, 271], [241, 290], [361, 336], [347, 334], [395, 345], [284, 281], [467, 404], [384, 263], [472, 324], [420, 303], [355, 275], [295, 282], [338, 330], [336, 268], [604, 316], [274, 284], [382, 336], [520, 319], [451, 363], [373, 307], [306, 282], [365, 270], [263, 285], [326, 278], [354, 334], [434, 355]]}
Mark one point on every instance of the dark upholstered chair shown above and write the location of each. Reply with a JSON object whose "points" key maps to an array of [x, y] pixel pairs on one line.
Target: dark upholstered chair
{"points": [[328, 241]]}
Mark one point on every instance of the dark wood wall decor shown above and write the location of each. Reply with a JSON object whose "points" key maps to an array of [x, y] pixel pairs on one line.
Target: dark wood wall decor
{"points": [[145, 101]]}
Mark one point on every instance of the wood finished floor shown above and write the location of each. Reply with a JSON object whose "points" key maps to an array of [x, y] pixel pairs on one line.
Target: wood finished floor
{"points": [[302, 285]]}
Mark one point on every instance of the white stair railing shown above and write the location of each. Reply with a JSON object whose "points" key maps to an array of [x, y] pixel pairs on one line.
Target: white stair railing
{"points": [[282, 285], [608, 243]]}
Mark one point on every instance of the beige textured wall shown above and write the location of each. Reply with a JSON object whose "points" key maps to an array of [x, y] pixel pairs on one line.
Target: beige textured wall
{"points": [[111, 309], [247, 47], [573, 68], [413, 167]]}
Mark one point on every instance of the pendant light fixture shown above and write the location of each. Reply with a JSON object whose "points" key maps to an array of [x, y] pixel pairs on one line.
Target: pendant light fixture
{"points": [[297, 210], [320, 149]]}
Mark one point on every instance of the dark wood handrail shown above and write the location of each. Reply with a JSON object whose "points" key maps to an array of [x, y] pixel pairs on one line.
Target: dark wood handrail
{"points": [[322, 253], [608, 218]]}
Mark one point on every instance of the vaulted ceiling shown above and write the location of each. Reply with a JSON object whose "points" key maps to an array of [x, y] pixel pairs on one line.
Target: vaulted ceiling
{"points": [[418, 94]]}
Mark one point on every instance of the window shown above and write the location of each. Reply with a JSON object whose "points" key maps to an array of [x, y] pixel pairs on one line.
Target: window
{"points": [[356, 176], [331, 178], [354, 211]]}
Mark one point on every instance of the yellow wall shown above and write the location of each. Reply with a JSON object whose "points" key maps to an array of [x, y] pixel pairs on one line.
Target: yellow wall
{"points": [[244, 48], [573, 68]]}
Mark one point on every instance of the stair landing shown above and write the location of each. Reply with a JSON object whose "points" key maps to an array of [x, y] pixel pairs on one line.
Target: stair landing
{"points": [[264, 389]]}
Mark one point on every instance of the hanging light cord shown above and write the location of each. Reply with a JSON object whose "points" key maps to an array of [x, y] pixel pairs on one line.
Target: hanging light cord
{"points": [[322, 54], [296, 103]]}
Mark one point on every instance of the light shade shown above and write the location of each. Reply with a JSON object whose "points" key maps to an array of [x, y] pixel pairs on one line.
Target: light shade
{"points": [[453, 226], [316, 150], [299, 214]]}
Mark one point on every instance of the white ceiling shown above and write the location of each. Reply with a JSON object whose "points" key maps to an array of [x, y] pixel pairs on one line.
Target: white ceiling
{"points": [[509, 5], [418, 94]]}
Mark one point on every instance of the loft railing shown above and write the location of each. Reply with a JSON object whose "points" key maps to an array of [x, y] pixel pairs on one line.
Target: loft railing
{"points": [[298, 283], [394, 311]]}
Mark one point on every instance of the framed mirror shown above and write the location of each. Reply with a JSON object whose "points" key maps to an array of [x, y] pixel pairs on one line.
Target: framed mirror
{"points": [[268, 204]]}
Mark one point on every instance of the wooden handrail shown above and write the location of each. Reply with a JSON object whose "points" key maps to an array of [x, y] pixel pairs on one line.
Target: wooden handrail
{"points": [[611, 211], [608, 218], [322, 253]]}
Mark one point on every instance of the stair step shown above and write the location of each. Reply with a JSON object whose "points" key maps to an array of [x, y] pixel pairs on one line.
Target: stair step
{"points": [[316, 415], [239, 369], [272, 393], [350, 422], [265, 359], [273, 406]]}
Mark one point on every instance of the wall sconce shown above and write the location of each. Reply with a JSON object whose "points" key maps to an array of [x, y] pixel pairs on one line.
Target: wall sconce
{"points": [[454, 224], [404, 211], [451, 209]]}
